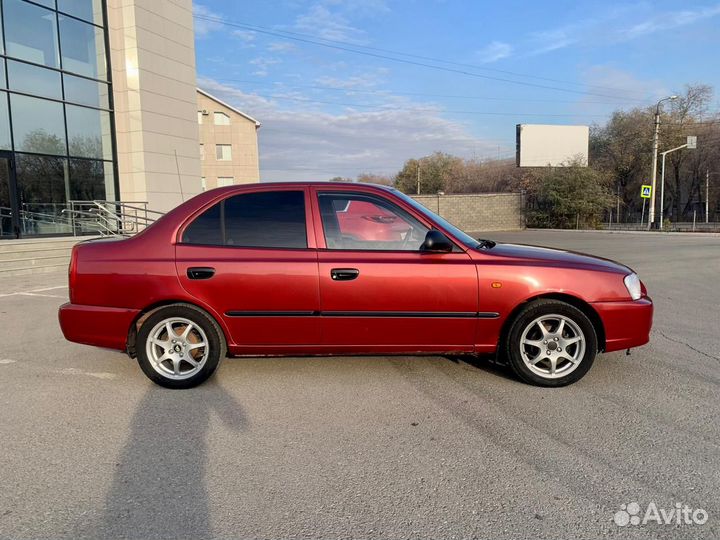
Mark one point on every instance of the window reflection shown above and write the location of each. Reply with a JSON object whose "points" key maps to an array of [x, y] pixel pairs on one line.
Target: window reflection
{"points": [[42, 185], [3, 82], [86, 92], [88, 132], [89, 180], [34, 80], [31, 33], [83, 48], [90, 10], [4, 122], [37, 125]]}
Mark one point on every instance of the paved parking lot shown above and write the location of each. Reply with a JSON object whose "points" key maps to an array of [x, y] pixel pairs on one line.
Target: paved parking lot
{"points": [[392, 447]]}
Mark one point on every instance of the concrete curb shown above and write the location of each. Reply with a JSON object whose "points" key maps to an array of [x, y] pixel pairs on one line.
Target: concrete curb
{"points": [[658, 233]]}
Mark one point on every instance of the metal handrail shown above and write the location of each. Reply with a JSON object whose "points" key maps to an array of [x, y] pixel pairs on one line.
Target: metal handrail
{"points": [[112, 217]]}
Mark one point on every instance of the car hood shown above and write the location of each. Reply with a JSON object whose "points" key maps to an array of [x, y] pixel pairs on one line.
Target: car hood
{"points": [[556, 257]]}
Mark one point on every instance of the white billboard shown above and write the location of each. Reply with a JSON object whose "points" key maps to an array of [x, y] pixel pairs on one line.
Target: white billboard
{"points": [[541, 145]]}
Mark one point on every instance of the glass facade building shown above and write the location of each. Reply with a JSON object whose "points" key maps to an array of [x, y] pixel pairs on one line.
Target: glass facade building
{"points": [[57, 139]]}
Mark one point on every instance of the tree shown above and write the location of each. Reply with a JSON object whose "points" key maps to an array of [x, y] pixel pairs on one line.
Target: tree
{"points": [[435, 173], [367, 178], [558, 196]]}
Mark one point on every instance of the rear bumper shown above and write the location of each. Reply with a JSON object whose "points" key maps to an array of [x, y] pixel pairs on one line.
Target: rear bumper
{"points": [[627, 324], [94, 325]]}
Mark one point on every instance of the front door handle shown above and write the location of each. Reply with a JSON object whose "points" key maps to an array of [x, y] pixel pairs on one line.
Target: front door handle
{"points": [[202, 272], [344, 274]]}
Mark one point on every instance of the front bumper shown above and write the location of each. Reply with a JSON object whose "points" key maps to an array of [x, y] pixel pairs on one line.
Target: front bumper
{"points": [[627, 324], [95, 325]]}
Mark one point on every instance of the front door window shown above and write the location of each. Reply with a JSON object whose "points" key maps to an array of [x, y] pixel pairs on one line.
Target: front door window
{"points": [[360, 222]]}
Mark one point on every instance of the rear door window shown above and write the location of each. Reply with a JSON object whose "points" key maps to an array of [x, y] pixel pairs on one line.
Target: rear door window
{"points": [[270, 219]]}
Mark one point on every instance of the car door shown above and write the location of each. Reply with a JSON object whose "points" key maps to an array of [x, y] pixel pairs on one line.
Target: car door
{"points": [[378, 291], [250, 257]]}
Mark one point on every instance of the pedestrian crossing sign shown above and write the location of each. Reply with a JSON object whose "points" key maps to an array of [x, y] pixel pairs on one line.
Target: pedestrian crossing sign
{"points": [[645, 191]]}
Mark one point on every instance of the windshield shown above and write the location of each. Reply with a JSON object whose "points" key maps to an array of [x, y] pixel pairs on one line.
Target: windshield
{"points": [[465, 238]]}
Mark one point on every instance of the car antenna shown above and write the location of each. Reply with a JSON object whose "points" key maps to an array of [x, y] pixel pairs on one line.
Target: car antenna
{"points": [[177, 167]]}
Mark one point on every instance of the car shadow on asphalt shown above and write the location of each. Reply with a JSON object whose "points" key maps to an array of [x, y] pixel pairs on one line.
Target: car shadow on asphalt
{"points": [[486, 363], [159, 487]]}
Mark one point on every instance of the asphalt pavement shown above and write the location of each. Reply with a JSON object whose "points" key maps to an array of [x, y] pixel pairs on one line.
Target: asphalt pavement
{"points": [[372, 447]]}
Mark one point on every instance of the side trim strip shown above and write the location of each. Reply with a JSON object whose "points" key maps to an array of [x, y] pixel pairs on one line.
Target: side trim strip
{"points": [[375, 314], [272, 313]]}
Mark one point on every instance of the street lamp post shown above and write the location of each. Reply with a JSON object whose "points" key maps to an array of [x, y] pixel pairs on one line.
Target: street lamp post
{"points": [[656, 143], [692, 142], [707, 194]]}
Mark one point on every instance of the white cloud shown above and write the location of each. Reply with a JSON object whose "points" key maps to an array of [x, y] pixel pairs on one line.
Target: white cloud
{"points": [[247, 36], [281, 47], [321, 22], [494, 51], [204, 27], [667, 21], [615, 25], [627, 84], [306, 143]]}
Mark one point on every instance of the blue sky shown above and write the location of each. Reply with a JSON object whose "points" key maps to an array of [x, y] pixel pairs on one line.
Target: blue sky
{"points": [[328, 111]]}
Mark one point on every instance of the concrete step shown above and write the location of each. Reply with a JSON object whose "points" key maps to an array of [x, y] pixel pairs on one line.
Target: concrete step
{"points": [[35, 253], [11, 272], [29, 262], [38, 244]]}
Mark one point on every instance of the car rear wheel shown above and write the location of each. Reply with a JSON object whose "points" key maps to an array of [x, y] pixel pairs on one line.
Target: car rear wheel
{"points": [[551, 343], [180, 346]]}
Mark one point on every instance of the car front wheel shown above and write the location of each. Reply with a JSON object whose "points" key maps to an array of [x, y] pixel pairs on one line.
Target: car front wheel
{"points": [[179, 346], [551, 343]]}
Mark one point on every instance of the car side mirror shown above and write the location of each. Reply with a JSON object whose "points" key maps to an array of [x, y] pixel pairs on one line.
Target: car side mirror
{"points": [[436, 242]]}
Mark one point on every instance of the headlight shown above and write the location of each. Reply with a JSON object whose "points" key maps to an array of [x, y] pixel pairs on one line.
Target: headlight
{"points": [[632, 284]]}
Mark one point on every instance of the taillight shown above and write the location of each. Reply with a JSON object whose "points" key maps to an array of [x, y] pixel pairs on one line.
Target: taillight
{"points": [[72, 273]]}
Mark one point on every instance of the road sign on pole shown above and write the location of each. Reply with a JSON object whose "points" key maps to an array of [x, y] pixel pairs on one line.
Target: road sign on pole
{"points": [[645, 191], [691, 142]]}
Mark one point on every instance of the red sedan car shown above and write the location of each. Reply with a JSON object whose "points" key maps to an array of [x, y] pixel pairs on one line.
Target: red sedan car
{"points": [[283, 269]]}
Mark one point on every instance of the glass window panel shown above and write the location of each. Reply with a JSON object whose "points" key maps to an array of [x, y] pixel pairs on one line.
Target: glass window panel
{"points": [[223, 181], [110, 194], [2, 72], [2, 41], [43, 189], [4, 122], [47, 3], [86, 92], [31, 33], [83, 48], [271, 220], [90, 10], [221, 119], [34, 80], [88, 132], [363, 222], [205, 229], [37, 125], [89, 180], [223, 152]]}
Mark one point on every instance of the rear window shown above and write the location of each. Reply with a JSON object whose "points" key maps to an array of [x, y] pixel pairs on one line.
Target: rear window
{"points": [[263, 220]]}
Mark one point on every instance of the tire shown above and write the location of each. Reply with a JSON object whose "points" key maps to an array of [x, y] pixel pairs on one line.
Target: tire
{"points": [[187, 358], [561, 354]]}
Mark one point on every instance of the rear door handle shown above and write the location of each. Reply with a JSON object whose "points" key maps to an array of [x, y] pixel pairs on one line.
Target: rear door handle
{"points": [[344, 274], [200, 272]]}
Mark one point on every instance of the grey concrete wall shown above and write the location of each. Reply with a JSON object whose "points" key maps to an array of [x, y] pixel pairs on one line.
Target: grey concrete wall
{"points": [[478, 212]]}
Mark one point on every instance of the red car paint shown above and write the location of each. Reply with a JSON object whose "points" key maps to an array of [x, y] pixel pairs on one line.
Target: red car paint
{"points": [[402, 301]]}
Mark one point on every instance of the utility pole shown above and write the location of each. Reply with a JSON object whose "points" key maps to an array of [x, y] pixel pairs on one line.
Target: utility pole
{"points": [[418, 178], [656, 143], [707, 194]]}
